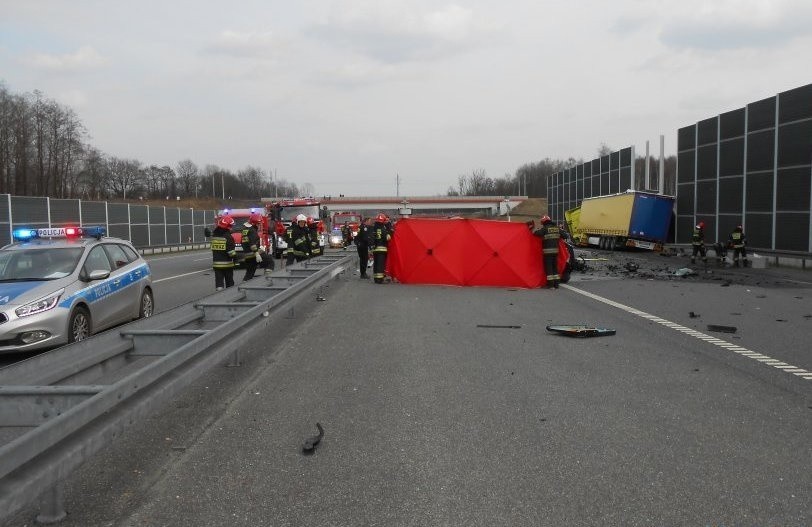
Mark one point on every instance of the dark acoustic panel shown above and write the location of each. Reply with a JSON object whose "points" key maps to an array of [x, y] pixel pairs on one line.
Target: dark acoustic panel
{"points": [[626, 157], [686, 166], [731, 158], [761, 114], [706, 162], [686, 138], [795, 104], [761, 151], [730, 195], [625, 179], [596, 166], [759, 193], [572, 192], [794, 232], [759, 230], [795, 144], [707, 131], [706, 197], [685, 228], [614, 160], [793, 189], [604, 164], [614, 181], [731, 124], [595, 188], [604, 184], [685, 199]]}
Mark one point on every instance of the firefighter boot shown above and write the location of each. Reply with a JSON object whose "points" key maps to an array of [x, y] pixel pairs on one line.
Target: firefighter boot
{"points": [[736, 262]]}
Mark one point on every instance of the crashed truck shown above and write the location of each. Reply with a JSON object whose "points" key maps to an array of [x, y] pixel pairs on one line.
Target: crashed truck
{"points": [[631, 219]]}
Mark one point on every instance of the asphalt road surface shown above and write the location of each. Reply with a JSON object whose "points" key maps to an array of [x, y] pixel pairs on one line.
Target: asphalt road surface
{"points": [[432, 418]]}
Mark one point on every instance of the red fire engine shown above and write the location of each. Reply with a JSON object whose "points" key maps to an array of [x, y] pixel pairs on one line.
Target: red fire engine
{"points": [[284, 212]]}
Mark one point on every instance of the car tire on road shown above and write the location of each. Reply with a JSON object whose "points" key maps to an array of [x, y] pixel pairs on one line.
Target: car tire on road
{"points": [[79, 326], [147, 304]]}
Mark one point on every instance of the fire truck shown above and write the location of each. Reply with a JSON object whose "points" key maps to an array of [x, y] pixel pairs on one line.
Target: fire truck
{"points": [[284, 211], [240, 217], [353, 219]]}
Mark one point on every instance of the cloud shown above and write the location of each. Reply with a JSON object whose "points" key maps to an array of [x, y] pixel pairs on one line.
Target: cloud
{"points": [[395, 31], [246, 44], [741, 24], [84, 59]]}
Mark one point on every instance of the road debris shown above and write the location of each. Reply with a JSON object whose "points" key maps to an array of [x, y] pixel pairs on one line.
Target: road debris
{"points": [[721, 329], [580, 330], [310, 443]]}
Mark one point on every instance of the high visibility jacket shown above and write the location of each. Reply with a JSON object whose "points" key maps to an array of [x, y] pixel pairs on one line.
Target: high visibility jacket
{"points": [[737, 239], [313, 234], [698, 237], [298, 239], [223, 249], [250, 240], [549, 234], [381, 234]]}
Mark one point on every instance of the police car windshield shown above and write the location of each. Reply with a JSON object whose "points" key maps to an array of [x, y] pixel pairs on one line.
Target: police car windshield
{"points": [[38, 264]]}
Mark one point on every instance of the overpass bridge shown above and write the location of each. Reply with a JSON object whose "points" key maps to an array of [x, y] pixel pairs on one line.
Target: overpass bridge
{"points": [[423, 205]]}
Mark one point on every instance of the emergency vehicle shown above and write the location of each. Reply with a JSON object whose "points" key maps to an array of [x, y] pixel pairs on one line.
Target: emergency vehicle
{"points": [[283, 213], [240, 217], [352, 218]]}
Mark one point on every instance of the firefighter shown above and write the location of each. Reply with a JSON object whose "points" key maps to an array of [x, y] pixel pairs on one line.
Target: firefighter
{"points": [[737, 241], [381, 234], [253, 253], [698, 243], [550, 235], [313, 234], [362, 241], [346, 234], [298, 238], [223, 252]]}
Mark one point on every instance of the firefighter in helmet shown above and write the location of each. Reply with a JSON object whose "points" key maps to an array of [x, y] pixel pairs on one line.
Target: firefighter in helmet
{"points": [[223, 252], [297, 237], [738, 242], [381, 234], [313, 233], [253, 253], [698, 243], [550, 234]]}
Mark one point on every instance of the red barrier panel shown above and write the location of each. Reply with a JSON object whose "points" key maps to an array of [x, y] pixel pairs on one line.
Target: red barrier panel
{"points": [[467, 253]]}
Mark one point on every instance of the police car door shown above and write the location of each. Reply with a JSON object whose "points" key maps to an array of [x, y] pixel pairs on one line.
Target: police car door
{"points": [[127, 288], [100, 293]]}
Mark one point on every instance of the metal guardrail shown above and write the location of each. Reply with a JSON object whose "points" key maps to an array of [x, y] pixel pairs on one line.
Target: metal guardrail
{"points": [[173, 248], [59, 408]]}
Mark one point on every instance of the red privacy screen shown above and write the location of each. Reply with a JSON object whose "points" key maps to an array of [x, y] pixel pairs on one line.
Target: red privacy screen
{"points": [[467, 253]]}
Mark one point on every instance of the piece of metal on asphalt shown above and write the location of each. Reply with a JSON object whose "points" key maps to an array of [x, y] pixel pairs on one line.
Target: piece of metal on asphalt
{"points": [[580, 330], [497, 326], [721, 329]]}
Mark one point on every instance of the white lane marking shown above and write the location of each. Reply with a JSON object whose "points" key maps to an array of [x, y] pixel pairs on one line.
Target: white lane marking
{"points": [[744, 352], [179, 276]]}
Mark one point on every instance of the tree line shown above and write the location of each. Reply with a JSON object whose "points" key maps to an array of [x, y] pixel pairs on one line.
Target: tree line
{"points": [[45, 151]]}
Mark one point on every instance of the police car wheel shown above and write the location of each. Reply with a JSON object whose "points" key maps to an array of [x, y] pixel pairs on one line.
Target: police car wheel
{"points": [[147, 304], [79, 326]]}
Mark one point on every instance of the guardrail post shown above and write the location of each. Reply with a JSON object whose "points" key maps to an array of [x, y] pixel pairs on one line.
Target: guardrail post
{"points": [[51, 506]]}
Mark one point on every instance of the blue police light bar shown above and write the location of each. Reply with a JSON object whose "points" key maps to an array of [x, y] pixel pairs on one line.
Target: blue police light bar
{"points": [[24, 234], [94, 231]]}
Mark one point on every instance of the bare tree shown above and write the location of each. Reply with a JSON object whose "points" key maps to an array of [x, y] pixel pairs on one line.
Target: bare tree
{"points": [[187, 177], [123, 176]]}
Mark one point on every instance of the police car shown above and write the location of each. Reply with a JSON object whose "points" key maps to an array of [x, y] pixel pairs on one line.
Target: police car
{"points": [[62, 284]]}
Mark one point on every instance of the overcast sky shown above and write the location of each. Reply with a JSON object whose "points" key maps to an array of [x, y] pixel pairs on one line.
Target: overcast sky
{"points": [[348, 94]]}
